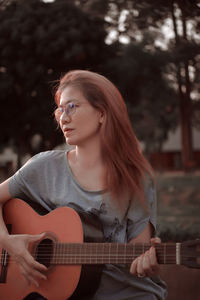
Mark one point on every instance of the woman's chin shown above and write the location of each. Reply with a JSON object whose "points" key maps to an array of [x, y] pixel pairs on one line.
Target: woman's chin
{"points": [[70, 142]]}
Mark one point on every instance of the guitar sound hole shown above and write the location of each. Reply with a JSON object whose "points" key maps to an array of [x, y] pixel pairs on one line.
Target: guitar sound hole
{"points": [[44, 252]]}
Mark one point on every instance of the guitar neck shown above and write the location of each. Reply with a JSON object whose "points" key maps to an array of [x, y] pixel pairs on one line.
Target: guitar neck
{"points": [[111, 253]]}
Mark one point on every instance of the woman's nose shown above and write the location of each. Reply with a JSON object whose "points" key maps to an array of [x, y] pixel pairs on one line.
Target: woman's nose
{"points": [[65, 118]]}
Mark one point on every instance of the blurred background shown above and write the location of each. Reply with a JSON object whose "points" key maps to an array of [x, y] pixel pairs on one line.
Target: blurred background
{"points": [[151, 51]]}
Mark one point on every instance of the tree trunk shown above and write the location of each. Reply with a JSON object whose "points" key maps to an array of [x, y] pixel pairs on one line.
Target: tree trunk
{"points": [[184, 97], [186, 134]]}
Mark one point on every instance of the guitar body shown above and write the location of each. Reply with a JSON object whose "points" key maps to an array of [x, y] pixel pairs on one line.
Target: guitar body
{"points": [[62, 225]]}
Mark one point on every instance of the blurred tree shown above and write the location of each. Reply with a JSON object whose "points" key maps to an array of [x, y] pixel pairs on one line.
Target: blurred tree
{"points": [[173, 26], [186, 49], [151, 106], [38, 42], [151, 100]]}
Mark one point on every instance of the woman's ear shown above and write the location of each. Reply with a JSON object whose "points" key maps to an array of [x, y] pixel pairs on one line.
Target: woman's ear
{"points": [[102, 115]]}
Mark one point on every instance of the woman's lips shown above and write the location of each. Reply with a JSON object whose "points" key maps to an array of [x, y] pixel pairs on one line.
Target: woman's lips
{"points": [[67, 130]]}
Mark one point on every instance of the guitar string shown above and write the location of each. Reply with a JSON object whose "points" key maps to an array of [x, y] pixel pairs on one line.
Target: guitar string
{"points": [[88, 256], [46, 255], [105, 250], [157, 246], [90, 262], [108, 249], [107, 259], [111, 246]]}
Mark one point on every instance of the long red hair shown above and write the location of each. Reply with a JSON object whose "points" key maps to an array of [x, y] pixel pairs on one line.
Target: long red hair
{"points": [[126, 167]]}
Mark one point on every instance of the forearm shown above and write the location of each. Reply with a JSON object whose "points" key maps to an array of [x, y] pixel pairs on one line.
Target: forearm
{"points": [[4, 196], [3, 230]]}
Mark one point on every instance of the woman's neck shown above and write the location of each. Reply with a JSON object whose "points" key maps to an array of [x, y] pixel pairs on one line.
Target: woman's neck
{"points": [[87, 157], [87, 167]]}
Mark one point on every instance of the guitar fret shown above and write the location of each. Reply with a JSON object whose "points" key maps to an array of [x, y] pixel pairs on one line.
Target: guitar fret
{"points": [[178, 257], [89, 256], [125, 253], [165, 253], [96, 251], [61, 257], [53, 259], [117, 251], [60, 251], [63, 251], [103, 246]]}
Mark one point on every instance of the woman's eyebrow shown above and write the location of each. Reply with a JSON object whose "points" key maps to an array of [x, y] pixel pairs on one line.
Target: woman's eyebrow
{"points": [[69, 100]]}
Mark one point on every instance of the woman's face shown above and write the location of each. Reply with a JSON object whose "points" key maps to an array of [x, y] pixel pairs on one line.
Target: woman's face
{"points": [[79, 121]]}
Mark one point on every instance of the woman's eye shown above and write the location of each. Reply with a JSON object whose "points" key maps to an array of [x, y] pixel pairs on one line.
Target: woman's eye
{"points": [[71, 105]]}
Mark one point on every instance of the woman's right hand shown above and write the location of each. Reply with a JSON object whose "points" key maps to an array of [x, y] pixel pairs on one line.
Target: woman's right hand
{"points": [[17, 247]]}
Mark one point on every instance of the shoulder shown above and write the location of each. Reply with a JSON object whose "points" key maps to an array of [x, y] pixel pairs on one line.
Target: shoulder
{"points": [[48, 156], [45, 161]]}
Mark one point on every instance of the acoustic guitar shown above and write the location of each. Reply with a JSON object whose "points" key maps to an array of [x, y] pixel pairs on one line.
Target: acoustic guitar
{"points": [[66, 254]]}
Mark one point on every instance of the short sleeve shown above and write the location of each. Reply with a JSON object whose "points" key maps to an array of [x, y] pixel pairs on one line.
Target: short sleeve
{"points": [[44, 180], [139, 216], [25, 182]]}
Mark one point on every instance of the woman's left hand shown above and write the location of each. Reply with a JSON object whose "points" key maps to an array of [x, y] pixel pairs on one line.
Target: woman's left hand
{"points": [[146, 264]]}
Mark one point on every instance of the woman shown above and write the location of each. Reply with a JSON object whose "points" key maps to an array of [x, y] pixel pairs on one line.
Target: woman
{"points": [[105, 173]]}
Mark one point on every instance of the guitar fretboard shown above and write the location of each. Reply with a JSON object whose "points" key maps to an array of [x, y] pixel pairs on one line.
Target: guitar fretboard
{"points": [[109, 253]]}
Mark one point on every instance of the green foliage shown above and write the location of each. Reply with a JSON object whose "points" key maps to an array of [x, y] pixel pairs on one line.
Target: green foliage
{"points": [[38, 42]]}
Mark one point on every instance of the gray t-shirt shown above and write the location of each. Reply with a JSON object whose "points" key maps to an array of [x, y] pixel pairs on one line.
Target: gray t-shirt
{"points": [[47, 179]]}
